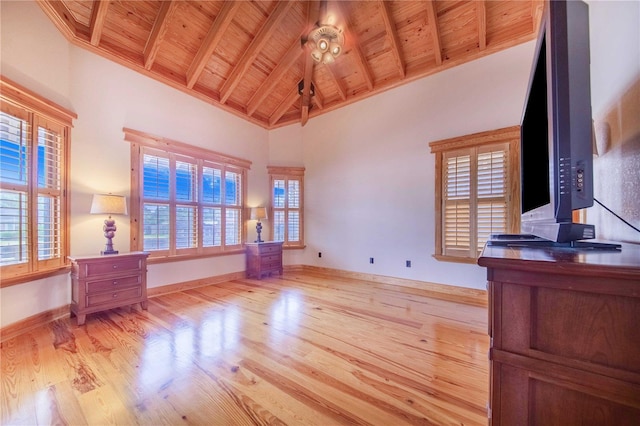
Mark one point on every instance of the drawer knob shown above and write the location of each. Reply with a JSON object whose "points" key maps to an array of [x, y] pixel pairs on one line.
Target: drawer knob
{"points": [[115, 283], [115, 266], [115, 295]]}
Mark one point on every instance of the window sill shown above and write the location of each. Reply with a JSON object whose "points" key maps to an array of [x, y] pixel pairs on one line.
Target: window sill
{"points": [[455, 259], [21, 279], [179, 258], [293, 247]]}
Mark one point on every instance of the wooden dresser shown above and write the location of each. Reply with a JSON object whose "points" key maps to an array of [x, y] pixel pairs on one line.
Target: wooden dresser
{"points": [[264, 258], [565, 336], [105, 282]]}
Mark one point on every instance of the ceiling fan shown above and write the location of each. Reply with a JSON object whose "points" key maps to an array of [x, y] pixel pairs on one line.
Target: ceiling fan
{"points": [[324, 43]]}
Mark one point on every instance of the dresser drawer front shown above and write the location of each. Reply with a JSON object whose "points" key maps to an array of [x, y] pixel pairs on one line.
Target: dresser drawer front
{"points": [[273, 265], [270, 249], [113, 284], [116, 266], [264, 260], [117, 298]]}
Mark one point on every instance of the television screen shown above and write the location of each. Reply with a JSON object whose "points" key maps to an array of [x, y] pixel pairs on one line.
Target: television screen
{"points": [[535, 141]]}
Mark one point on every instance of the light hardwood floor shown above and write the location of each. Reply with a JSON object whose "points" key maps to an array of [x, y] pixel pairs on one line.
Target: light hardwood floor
{"points": [[301, 349]]}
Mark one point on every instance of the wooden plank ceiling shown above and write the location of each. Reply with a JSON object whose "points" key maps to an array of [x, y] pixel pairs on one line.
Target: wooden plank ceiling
{"points": [[248, 57]]}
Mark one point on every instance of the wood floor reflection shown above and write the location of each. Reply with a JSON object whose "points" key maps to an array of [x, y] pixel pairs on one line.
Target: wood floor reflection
{"points": [[297, 350]]}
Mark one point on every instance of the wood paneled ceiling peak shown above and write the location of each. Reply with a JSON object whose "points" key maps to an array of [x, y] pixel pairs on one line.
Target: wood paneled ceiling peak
{"points": [[248, 57]]}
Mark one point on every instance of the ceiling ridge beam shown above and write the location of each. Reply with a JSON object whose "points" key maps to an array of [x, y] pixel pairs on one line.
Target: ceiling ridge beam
{"points": [[98, 16], [390, 27], [286, 103], [292, 55], [211, 41], [481, 12], [253, 51], [435, 31], [355, 48], [159, 30]]}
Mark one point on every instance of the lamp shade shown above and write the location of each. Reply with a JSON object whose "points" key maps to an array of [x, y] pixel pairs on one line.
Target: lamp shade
{"points": [[108, 204], [258, 213]]}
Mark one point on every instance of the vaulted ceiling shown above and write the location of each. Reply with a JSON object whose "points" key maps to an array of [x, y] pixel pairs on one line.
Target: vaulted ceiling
{"points": [[249, 57]]}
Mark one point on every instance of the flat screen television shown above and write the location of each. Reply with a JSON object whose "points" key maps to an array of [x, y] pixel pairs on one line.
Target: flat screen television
{"points": [[556, 129]]}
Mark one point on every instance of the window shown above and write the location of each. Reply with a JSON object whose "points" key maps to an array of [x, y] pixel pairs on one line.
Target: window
{"points": [[477, 191], [191, 200], [34, 144], [287, 205]]}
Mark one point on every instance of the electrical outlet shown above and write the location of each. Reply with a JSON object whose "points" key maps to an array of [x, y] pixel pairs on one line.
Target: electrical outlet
{"points": [[319, 254], [371, 260], [408, 264]]}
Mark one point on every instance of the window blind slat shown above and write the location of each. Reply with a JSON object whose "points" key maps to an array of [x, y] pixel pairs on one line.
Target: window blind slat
{"points": [[14, 242]]}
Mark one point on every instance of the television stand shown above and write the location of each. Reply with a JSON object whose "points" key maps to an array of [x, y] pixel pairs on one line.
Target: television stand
{"points": [[533, 241]]}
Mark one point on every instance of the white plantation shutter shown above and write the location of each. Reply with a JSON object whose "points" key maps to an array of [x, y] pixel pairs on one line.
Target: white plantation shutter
{"points": [[287, 205], [49, 170], [15, 134], [492, 193], [34, 138], [457, 203], [475, 193], [233, 210]]}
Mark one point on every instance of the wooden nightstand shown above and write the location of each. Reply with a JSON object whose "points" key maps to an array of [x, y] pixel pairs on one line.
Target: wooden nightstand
{"points": [[264, 258], [99, 283]]}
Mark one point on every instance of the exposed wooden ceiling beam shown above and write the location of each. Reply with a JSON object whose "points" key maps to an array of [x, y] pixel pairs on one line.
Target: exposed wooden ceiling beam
{"points": [[339, 86], [481, 12], [317, 97], [358, 55], [158, 32], [284, 106], [215, 34], [263, 36], [98, 15], [435, 32], [537, 7], [293, 54], [390, 28]]}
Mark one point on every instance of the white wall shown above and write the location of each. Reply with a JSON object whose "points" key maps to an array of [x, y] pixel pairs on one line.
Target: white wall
{"points": [[615, 96], [369, 182]]}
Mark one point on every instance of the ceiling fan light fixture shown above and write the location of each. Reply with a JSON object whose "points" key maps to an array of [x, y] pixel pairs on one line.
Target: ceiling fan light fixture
{"points": [[323, 44], [328, 58], [335, 49], [328, 43]]}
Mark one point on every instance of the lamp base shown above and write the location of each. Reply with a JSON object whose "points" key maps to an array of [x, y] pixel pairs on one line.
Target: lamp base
{"points": [[108, 252], [259, 230]]}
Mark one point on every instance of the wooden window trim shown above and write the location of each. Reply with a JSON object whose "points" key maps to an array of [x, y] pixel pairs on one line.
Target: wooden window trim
{"points": [[141, 141], [40, 108], [287, 173], [509, 135]]}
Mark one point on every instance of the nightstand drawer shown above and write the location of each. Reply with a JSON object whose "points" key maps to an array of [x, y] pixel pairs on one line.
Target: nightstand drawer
{"points": [[271, 259], [120, 265], [270, 249], [117, 297], [113, 284]]}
